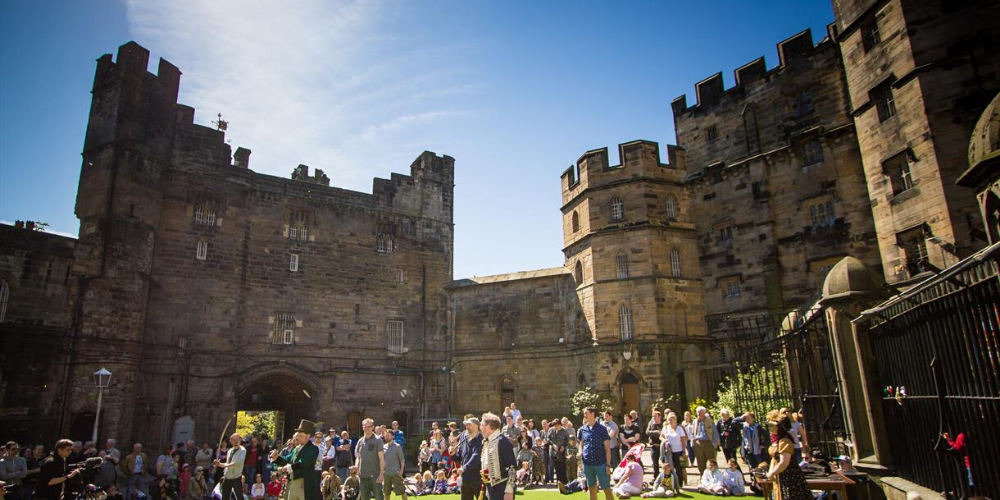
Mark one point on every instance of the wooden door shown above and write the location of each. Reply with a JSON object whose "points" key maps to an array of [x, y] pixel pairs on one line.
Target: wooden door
{"points": [[630, 394]]}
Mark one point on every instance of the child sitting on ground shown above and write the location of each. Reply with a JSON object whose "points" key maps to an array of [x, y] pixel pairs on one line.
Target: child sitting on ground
{"points": [[732, 479], [440, 484], [664, 485], [577, 485], [455, 482], [418, 484], [631, 481], [524, 474], [711, 479], [352, 485]]}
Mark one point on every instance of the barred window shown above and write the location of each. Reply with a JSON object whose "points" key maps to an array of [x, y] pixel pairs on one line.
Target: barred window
{"points": [[725, 234], [870, 35], [621, 264], [822, 214], [730, 288], [885, 102], [293, 263], [802, 105], [204, 215], [675, 263], [399, 275], [385, 243], [913, 242], [395, 334], [671, 208], [617, 208], [4, 299], [298, 228], [812, 153], [713, 133], [284, 329], [202, 252], [898, 170], [625, 323]]}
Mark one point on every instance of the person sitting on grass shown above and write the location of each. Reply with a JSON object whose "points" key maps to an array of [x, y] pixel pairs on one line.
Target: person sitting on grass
{"points": [[418, 484], [455, 481], [574, 486], [711, 479], [664, 485], [631, 481], [524, 474], [352, 486], [732, 479], [440, 484]]}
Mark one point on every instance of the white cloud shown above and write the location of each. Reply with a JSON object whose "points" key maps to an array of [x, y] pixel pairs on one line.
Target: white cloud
{"points": [[308, 81]]}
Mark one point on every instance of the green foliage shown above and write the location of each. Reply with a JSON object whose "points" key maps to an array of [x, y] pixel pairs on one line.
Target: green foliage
{"points": [[673, 402], [765, 383], [41, 226], [587, 397], [696, 402], [256, 423]]}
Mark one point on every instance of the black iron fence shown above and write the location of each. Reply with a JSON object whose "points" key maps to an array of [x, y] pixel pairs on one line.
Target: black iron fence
{"points": [[937, 364], [786, 360]]}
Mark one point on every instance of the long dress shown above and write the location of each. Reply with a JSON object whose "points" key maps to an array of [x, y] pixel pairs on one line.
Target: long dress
{"points": [[791, 480]]}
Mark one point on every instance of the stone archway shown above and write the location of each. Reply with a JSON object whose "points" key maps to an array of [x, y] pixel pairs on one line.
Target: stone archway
{"points": [[292, 394]]}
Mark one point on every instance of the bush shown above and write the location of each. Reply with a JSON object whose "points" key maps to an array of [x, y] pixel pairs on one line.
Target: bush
{"points": [[586, 397]]}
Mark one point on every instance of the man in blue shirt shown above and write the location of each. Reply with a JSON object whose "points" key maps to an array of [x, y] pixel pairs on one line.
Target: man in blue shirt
{"points": [[397, 434], [595, 450]]}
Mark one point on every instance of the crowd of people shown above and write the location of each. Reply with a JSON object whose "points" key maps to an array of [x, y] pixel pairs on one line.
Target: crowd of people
{"points": [[492, 452]]}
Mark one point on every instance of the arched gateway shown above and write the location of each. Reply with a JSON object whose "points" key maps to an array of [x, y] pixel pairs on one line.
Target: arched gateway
{"points": [[293, 395]]}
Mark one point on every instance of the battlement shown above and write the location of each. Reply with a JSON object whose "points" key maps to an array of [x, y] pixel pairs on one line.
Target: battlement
{"points": [[132, 62], [637, 159], [711, 91], [301, 173]]}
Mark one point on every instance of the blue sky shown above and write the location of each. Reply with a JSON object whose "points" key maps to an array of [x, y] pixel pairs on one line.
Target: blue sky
{"points": [[514, 90]]}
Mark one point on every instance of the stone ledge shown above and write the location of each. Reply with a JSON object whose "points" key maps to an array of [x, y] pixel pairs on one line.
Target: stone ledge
{"points": [[897, 488]]}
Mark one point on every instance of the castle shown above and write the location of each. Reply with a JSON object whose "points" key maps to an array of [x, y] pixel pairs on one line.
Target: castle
{"points": [[207, 288]]}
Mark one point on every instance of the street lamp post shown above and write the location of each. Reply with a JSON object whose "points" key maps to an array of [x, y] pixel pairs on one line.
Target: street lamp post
{"points": [[102, 379]]}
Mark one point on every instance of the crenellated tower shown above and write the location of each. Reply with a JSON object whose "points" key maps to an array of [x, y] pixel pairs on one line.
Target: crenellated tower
{"points": [[126, 149], [631, 246]]}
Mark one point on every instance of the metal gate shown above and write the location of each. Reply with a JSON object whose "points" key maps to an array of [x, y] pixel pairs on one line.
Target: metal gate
{"points": [[936, 349], [786, 360]]}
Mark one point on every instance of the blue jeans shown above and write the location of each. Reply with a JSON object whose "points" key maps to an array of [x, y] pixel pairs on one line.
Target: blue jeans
{"points": [[135, 482]]}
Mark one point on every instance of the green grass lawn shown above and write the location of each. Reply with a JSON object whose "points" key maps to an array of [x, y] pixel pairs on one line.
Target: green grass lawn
{"points": [[553, 494]]}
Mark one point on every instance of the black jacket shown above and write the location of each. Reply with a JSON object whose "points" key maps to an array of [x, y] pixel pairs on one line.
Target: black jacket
{"points": [[508, 459]]}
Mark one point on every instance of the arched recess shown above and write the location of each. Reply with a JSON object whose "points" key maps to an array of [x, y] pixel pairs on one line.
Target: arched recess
{"points": [[578, 273], [629, 391], [285, 389], [681, 315], [575, 221], [507, 389], [991, 209], [692, 360]]}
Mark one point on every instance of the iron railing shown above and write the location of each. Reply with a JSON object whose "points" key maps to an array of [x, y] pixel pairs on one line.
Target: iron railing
{"points": [[936, 353], [786, 360]]}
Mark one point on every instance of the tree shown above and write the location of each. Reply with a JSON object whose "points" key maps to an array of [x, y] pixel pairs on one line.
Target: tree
{"points": [[759, 389], [586, 397], [255, 423]]}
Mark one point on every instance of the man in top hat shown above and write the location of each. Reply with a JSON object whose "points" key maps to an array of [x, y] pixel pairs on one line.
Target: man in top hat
{"points": [[303, 482], [498, 460]]}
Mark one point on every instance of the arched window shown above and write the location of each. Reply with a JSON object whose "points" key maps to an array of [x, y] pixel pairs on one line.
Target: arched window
{"points": [[675, 263], [621, 264], [506, 391], [617, 208], [4, 298], [671, 208], [625, 323], [581, 381], [576, 221], [578, 273]]}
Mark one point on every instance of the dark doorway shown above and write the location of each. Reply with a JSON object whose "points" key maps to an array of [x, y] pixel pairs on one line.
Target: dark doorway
{"points": [[506, 391], [403, 418], [82, 428], [354, 424], [630, 393], [281, 393]]}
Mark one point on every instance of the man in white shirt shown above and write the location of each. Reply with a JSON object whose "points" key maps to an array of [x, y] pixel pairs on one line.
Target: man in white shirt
{"points": [[231, 483], [515, 413]]}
